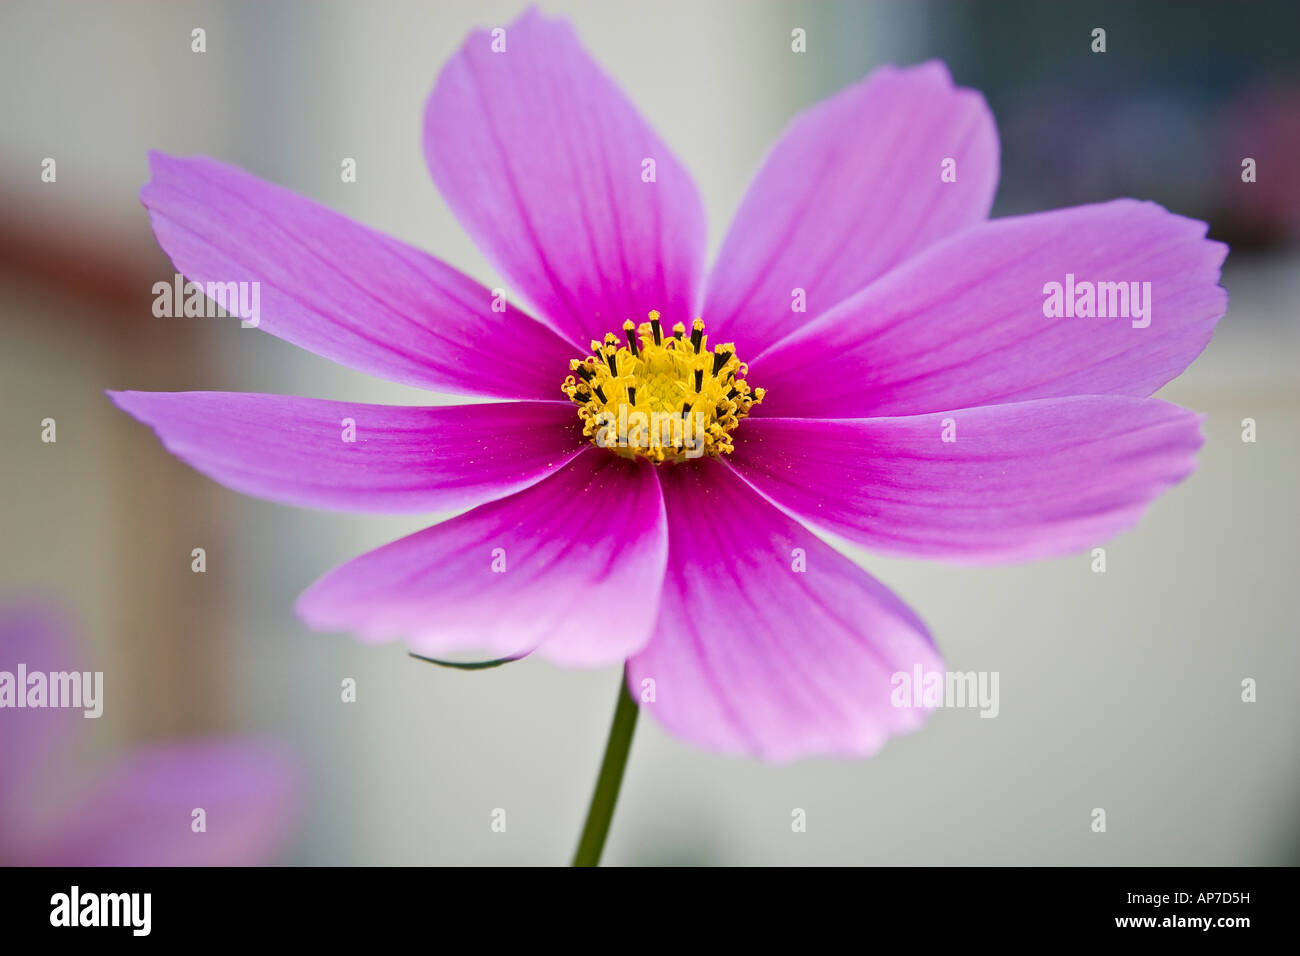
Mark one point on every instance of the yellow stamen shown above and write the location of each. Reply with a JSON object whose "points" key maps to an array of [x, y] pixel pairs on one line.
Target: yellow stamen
{"points": [[665, 398]]}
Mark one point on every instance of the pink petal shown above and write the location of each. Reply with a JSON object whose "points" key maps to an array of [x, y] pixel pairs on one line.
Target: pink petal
{"points": [[1020, 481], [141, 813], [540, 156], [570, 568], [341, 290], [404, 458], [752, 656], [32, 635], [851, 189], [962, 324]]}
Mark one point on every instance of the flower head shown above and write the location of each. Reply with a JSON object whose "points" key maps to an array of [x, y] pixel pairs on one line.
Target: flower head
{"points": [[910, 391]]}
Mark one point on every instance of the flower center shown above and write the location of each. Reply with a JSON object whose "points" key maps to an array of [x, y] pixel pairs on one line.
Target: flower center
{"points": [[665, 398]]}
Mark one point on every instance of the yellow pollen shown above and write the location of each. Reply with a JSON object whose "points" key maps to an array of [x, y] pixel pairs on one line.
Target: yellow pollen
{"points": [[661, 396]]}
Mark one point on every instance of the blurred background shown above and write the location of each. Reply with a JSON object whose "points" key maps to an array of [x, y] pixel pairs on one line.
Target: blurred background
{"points": [[1119, 690]]}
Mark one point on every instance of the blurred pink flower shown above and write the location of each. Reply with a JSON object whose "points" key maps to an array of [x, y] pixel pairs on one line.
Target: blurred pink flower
{"points": [[137, 812], [870, 300]]}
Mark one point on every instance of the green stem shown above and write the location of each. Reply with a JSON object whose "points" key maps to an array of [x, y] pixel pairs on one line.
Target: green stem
{"points": [[601, 811]]}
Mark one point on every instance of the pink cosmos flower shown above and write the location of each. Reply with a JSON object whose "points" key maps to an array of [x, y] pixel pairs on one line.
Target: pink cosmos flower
{"points": [[139, 810], [871, 313]]}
